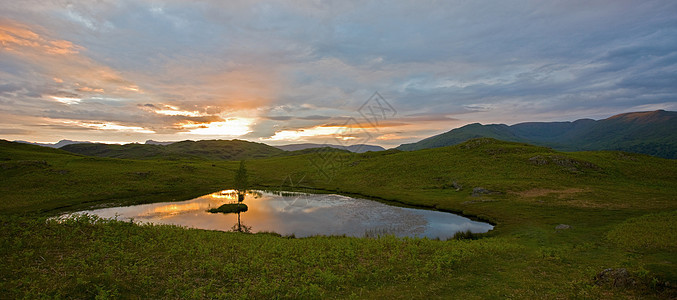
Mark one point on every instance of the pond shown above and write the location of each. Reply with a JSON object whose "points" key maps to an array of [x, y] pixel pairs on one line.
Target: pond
{"points": [[299, 214]]}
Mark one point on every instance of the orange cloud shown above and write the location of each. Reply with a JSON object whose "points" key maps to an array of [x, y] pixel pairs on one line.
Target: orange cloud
{"points": [[18, 38], [62, 62], [391, 136], [89, 89]]}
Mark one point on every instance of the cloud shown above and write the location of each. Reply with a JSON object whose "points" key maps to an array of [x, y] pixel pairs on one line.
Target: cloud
{"points": [[17, 38], [15, 131], [300, 65]]}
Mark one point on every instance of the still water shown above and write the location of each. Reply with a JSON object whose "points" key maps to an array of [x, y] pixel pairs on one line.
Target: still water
{"points": [[300, 214]]}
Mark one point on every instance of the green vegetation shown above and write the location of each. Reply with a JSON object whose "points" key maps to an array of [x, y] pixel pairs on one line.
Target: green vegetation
{"points": [[189, 150], [653, 133], [462, 134], [620, 208], [209, 150], [39, 180], [358, 148], [648, 232], [230, 208]]}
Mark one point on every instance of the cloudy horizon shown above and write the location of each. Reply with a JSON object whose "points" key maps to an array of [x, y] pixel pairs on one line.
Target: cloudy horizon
{"points": [[295, 72]]}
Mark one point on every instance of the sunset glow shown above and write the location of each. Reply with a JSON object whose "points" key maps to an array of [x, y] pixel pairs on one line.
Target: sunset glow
{"points": [[108, 126], [232, 127], [294, 135], [66, 100], [130, 71]]}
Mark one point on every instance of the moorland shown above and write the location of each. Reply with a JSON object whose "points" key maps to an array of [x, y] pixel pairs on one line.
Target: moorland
{"points": [[592, 224]]}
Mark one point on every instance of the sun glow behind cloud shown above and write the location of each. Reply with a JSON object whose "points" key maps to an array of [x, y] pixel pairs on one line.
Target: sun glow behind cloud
{"points": [[66, 100], [168, 112], [318, 131], [232, 127], [108, 126]]}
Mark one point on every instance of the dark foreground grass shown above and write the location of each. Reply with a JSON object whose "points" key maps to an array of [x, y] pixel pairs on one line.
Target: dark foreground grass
{"points": [[620, 208], [85, 257]]}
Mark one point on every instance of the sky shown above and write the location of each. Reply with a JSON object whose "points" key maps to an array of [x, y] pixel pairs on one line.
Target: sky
{"points": [[338, 72]]}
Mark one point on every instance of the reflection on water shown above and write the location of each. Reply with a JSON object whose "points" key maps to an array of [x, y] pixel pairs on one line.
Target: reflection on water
{"points": [[299, 214]]}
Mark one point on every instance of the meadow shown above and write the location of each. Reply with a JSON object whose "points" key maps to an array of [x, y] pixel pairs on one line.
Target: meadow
{"points": [[620, 209]]}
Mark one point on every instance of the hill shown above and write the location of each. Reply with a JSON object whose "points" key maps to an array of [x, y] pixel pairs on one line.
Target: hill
{"points": [[207, 149], [620, 209], [360, 148], [653, 133]]}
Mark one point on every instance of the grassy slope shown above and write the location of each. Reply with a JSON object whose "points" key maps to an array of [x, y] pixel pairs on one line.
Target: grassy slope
{"points": [[43, 180], [597, 193], [209, 149], [652, 133], [462, 134]]}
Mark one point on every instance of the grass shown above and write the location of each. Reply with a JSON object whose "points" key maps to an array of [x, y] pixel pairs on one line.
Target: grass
{"points": [[647, 233], [93, 258], [616, 204], [200, 150]]}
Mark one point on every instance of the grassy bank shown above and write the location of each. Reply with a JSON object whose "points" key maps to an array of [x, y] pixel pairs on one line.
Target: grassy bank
{"points": [[525, 190]]}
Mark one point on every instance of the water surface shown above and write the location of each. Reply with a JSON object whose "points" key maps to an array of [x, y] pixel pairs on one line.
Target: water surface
{"points": [[300, 214]]}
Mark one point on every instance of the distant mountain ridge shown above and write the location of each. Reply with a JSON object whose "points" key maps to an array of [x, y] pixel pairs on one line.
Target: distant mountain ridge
{"points": [[58, 144], [152, 142], [651, 132], [359, 148]]}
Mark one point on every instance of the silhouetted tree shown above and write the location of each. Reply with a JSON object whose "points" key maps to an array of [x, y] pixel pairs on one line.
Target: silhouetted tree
{"points": [[241, 182]]}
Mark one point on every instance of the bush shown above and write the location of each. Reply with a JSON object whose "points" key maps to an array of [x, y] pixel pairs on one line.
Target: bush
{"points": [[230, 208]]}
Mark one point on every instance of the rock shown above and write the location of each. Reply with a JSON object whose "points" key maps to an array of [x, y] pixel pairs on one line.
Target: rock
{"points": [[563, 161], [538, 160], [618, 278], [476, 192], [562, 227]]}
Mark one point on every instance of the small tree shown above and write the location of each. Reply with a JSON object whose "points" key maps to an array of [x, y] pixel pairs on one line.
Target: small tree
{"points": [[241, 182]]}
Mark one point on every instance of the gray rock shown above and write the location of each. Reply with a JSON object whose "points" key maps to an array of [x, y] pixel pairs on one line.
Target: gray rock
{"points": [[538, 160], [476, 192], [618, 278], [562, 227]]}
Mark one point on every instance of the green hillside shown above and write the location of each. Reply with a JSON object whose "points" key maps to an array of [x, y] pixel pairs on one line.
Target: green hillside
{"points": [[653, 133], [208, 149], [620, 208], [460, 135]]}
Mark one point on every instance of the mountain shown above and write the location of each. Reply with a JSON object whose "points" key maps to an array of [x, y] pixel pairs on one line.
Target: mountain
{"points": [[652, 132], [59, 144], [152, 142], [460, 135], [207, 149], [359, 148]]}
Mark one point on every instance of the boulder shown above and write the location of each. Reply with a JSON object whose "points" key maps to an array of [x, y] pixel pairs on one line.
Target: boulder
{"points": [[618, 278], [476, 192], [562, 227]]}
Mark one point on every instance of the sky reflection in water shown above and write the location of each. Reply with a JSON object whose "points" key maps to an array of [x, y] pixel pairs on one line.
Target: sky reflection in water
{"points": [[300, 214]]}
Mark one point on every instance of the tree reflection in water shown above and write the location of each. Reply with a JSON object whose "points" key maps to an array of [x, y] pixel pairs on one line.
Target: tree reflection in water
{"points": [[239, 227]]}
